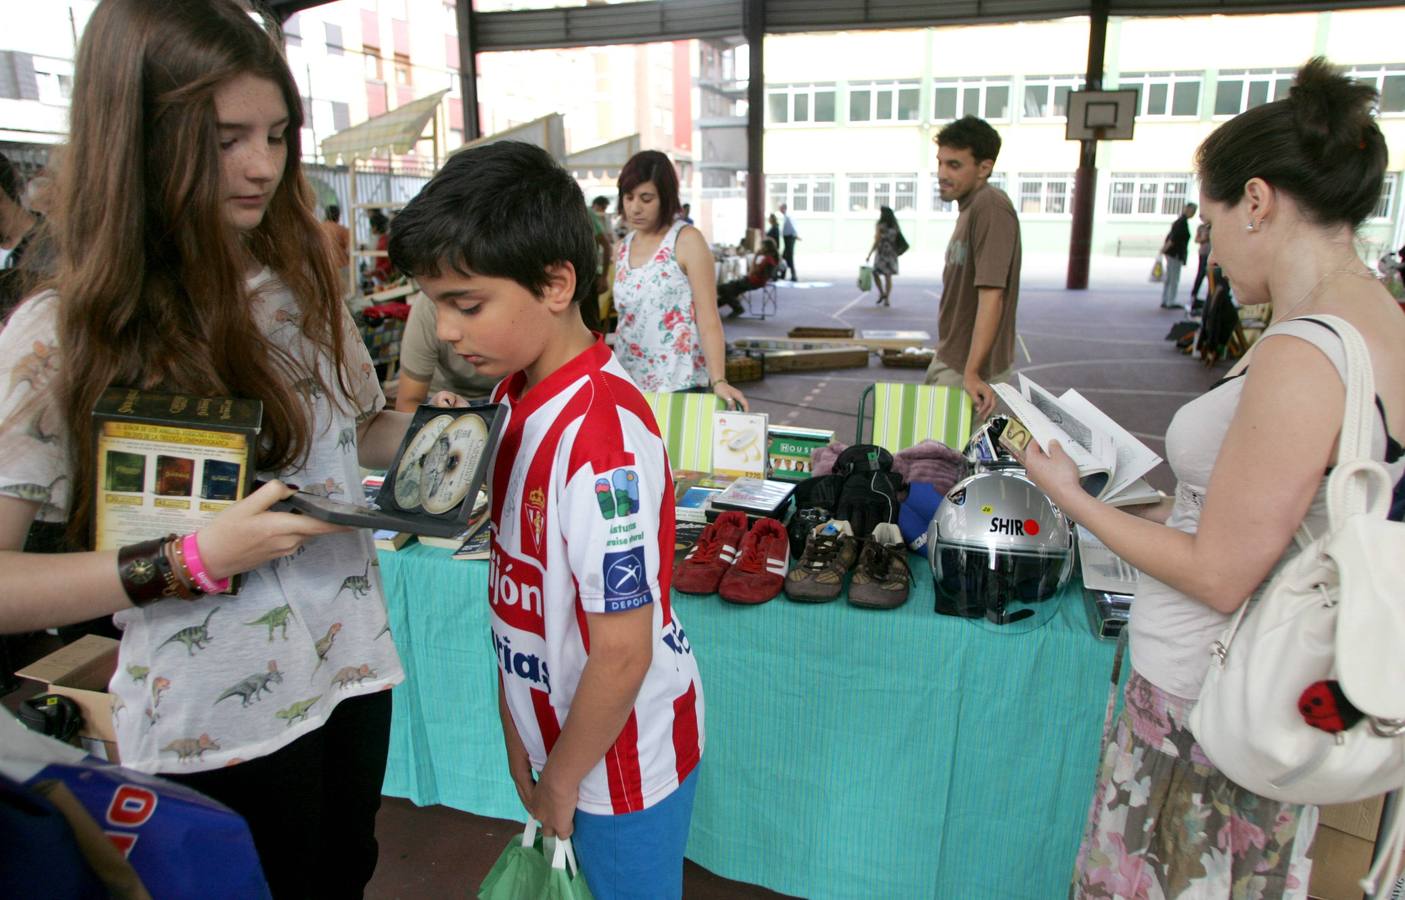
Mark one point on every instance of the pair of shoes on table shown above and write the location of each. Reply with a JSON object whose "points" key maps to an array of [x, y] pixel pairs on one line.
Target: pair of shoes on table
{"points": [[743, 565], [881, 578]]}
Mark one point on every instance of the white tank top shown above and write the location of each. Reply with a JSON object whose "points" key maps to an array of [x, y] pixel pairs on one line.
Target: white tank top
{"points": [[1171, 632]]}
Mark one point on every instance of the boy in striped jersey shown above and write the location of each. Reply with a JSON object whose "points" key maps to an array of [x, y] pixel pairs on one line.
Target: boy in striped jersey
{"points": [[600, 698]]}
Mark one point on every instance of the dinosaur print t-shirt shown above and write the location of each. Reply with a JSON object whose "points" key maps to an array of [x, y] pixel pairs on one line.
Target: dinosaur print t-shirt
{"points": [[203, 684]]}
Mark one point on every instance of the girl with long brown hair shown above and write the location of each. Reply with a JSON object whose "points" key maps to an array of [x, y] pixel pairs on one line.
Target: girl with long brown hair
{"points": [[189, 261]]}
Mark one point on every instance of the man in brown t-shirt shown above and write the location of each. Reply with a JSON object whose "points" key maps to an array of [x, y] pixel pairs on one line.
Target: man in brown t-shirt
{"points": [[981, 282]]}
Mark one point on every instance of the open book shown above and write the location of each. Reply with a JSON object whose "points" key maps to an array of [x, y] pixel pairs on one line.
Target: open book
{"points": [[1111, 462]]}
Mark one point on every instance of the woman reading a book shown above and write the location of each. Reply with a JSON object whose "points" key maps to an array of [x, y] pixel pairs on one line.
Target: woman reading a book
{"points": [[190, 262], [1284, 186]]}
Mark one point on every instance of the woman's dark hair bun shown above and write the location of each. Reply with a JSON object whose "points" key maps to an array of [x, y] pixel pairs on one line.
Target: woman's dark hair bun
{"points": [[1320, 144], [1332, 112]]}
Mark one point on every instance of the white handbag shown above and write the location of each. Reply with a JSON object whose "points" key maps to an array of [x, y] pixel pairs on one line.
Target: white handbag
{"points": [[1335, 612]]}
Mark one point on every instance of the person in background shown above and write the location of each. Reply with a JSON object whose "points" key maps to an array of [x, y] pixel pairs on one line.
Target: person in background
{"points": [[887, 242], [763, 267], [18, 227], [981, 282], [605, 737], [382, 271], [203, 275], [788, 238], [1202, 242], [1285, 187], [686, 213], [1176, 249], [604, 259], [773, 229], [669, 336], [339, 236], [429, 367]]}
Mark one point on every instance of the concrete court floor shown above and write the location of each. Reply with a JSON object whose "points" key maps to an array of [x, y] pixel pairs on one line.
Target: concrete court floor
{"points": [[1108, 342]]}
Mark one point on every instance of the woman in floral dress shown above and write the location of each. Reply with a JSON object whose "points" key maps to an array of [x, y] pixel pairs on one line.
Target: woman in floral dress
{"points": [[669, 336], [1284, 186]]}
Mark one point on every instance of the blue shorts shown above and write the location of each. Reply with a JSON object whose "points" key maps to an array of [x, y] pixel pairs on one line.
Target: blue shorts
{"points": [[638, 854]]}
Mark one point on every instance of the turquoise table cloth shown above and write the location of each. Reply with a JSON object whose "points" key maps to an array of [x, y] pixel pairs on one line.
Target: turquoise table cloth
{"points": [[850, 753]]}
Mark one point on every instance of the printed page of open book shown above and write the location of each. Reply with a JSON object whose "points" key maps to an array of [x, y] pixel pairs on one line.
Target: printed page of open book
{"points": [[1133, 458], [1089, 453]]}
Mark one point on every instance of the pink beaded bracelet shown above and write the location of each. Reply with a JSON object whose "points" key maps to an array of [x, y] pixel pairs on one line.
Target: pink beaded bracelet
{"points": [[190, 549]]}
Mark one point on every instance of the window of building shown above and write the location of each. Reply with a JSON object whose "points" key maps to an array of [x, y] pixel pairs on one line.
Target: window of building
{"points": [[869, 192], [1148, 195], [1385, 207], [53, 80], [341, 116], [1236, 92], [404, 77], [292, 31], [1046, 96], [375, 66], [997, 179], [334, 39], [988, 98], [802, 193], [1049, 193], [884, 101], [1389, 80], [799, 104], [1165, 94]]}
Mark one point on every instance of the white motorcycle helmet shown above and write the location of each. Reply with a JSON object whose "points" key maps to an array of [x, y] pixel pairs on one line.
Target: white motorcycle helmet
{"points": [[999, 549]]}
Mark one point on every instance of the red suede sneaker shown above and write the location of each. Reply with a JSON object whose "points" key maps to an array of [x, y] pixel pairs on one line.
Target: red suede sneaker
{"points": [[759, 572], [713, 554]]}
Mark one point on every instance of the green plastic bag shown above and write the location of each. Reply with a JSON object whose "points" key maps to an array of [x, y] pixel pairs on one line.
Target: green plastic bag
{"points": [[865, 278], [523, 872]]}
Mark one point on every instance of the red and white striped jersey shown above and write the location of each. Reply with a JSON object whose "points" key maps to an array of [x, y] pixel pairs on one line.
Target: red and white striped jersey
{"points": [[582, 511]]}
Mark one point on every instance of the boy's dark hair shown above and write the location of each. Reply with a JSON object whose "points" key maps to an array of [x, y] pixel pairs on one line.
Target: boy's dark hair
{"points": [[971, 133], [333, 213], [10, 180], [651, 165], [601, 202], [505, 210], [1321, 145]]}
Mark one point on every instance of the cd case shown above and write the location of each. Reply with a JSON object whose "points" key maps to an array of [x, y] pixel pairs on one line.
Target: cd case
{"points": [[433, 480]]}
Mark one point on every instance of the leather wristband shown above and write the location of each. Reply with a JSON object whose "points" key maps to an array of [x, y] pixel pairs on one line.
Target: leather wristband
{"points": [[141, 568]]}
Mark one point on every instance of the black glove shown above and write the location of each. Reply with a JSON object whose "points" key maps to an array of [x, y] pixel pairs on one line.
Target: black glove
{"points": [[868, 499], [820, 491]]}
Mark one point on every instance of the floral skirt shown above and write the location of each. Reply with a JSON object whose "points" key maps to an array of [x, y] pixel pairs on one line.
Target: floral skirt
{"points": [[1164, 823]]}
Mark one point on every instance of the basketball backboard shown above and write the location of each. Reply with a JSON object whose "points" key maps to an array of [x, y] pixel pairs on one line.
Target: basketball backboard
{"points": [[1101, 115]]}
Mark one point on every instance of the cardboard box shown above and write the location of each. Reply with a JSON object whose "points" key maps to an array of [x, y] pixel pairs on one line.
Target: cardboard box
{"points": [[1342, 849], [81, 672]]}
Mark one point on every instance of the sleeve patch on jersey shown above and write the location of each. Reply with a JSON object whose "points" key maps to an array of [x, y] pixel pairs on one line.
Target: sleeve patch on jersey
{"points": [[626, 580], [618, 494]]}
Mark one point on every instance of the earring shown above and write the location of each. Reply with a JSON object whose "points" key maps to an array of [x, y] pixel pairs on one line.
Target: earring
{"points": [[1249, 227]]}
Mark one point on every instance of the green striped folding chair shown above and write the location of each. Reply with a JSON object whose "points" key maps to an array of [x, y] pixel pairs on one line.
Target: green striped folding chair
{"points": [[907, 414], [685, 421]]}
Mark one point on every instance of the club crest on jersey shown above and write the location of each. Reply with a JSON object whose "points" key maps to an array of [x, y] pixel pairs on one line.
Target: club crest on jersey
{"points": [[618, 495], [626, 580], [535, 512]]}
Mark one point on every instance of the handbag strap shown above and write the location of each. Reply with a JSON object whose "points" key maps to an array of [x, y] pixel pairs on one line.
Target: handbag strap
{"points": [[1347, 494]]}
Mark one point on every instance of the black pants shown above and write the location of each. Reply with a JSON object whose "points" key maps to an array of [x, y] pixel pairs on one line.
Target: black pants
{"points": [[311, 806], [729, 292], [789, 255], [1199, 276]]}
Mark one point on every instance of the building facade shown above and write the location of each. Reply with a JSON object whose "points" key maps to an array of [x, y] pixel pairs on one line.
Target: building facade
{"points": [[851, 117]]}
